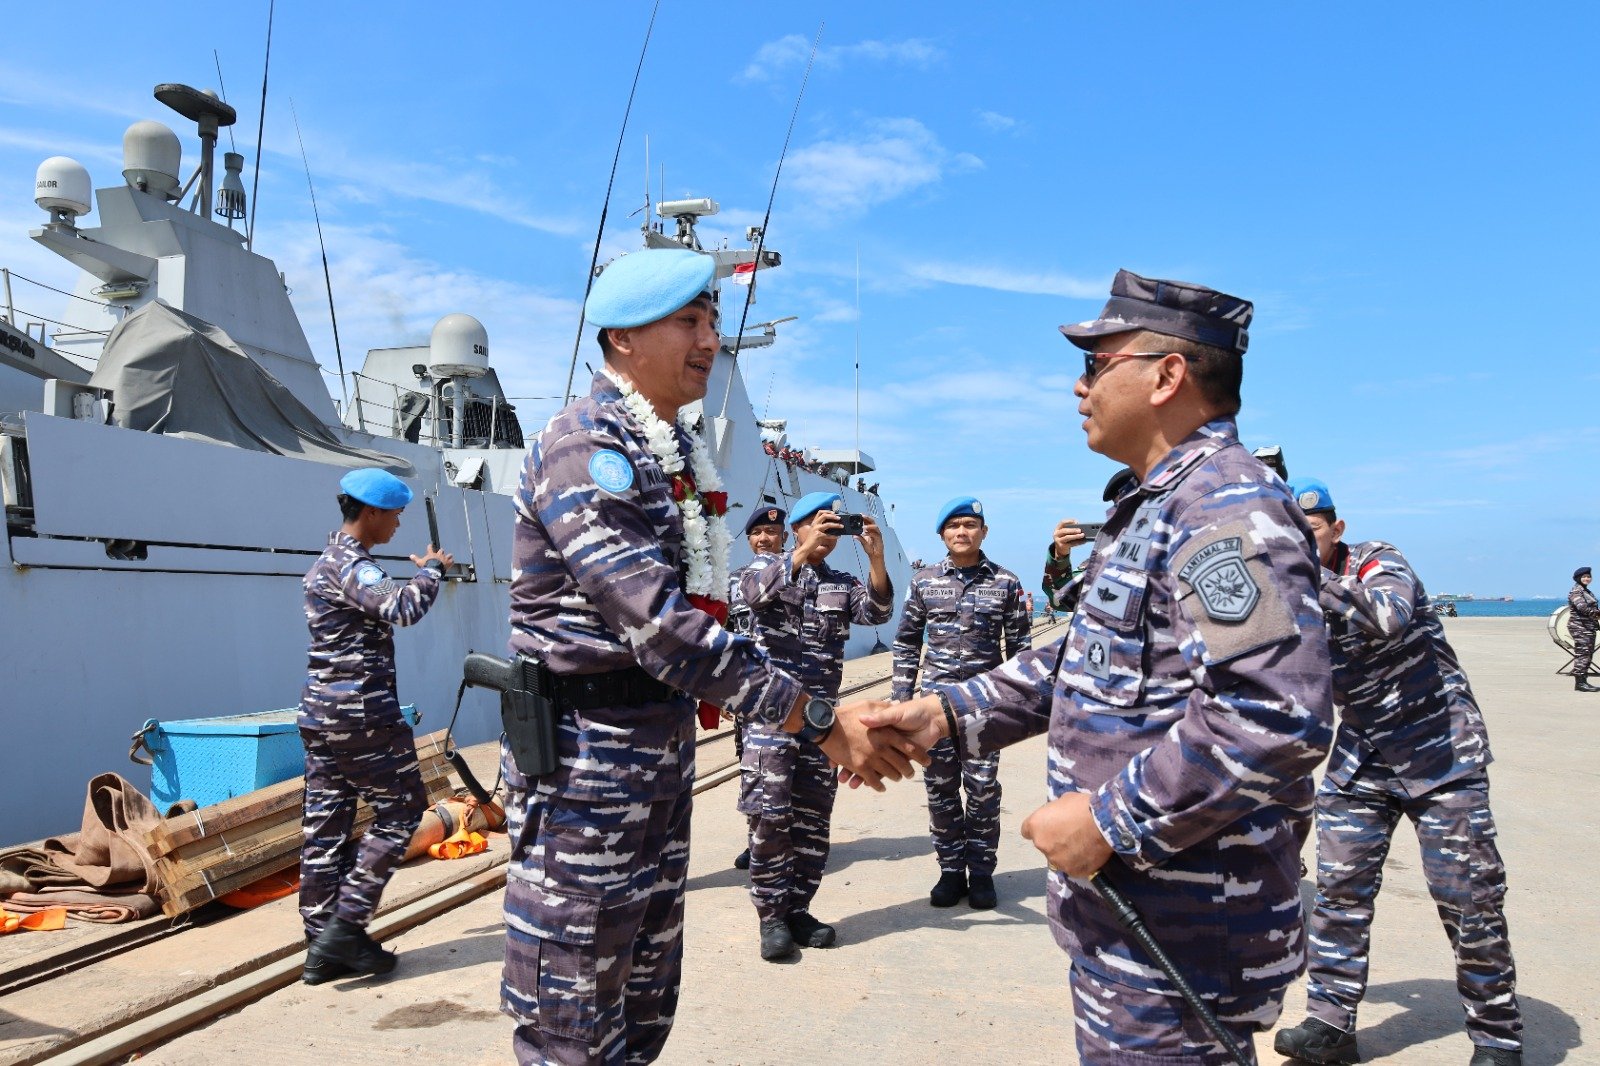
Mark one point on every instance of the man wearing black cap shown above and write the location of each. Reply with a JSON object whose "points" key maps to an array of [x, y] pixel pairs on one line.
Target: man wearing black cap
{"points": [[1188, 702], [1411, 742], [1581, 624]]}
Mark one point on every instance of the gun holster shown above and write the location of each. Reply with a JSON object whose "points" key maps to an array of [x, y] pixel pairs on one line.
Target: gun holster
{"points": [[527, 707]]}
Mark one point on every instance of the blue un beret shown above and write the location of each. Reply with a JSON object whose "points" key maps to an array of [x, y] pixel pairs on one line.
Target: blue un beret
{"points": [[811, 503], [767, 516], [644, 287], [1176, 308], [961, 505], [376, 488], [1312, 495]]}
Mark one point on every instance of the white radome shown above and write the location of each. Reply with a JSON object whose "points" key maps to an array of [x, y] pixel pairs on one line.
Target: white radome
{"points": [[151, 158], [62, 184], [458, 347]]}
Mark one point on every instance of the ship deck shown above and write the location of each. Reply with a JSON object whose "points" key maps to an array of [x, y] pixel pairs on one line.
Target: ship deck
{"points": [[907, 983]]}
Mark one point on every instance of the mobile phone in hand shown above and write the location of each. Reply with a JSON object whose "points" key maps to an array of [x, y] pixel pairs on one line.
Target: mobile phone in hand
{"points": [[852, 525]]}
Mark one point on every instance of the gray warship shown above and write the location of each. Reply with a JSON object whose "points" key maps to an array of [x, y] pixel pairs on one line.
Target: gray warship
{"points": [[169, 460]]}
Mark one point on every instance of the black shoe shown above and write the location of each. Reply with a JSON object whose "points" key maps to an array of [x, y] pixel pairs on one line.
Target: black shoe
{"points": [[980, 893], [315, 973], [1494, 1056], [1583, 686], [1314, 1040], [948, 892], [776, 940], [743, 861], [345, 944], [810, 933]]}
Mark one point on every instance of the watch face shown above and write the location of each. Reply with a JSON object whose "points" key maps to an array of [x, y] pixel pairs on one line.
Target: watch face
{"points": [[819, 714]]}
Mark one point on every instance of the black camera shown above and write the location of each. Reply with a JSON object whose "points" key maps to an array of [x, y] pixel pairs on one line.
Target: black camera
{"points": [[851, 525]]}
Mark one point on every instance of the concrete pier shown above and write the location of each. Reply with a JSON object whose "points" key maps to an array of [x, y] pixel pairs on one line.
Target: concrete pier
{"points": [[911, 984]]}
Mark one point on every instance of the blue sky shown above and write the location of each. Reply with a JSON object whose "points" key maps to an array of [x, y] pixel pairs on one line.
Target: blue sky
{"points": [[1405, 191]]}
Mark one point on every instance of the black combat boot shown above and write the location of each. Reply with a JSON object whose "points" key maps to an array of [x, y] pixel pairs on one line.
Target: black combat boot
{"points": [[743, 860], [810, 933], [1583, 685], [347, 944], [980, 893], [1314, 1040], [1494, 1056], [314, 973], [951, 888], [776, 940]]}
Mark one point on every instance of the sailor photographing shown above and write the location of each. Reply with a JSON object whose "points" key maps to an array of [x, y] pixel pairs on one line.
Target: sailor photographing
{"points": [[356, 742], [620, 569]]}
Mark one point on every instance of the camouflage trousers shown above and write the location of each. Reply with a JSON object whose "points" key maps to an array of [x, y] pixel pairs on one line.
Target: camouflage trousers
{"points": [[341, 876], [964, 839], [787, 790], [594, 926], [1118, 1025], [1355, 824], [1582, 649]]}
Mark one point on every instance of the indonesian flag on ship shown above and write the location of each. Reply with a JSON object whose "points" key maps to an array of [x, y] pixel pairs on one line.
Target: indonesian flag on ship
{"points": [[744, 273]]}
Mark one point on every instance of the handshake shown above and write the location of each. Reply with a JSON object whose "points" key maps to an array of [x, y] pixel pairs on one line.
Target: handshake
{"points": [[874, 740]]}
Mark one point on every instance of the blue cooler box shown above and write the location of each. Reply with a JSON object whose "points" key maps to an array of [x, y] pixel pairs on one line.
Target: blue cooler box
{"points": [[209, 760]]}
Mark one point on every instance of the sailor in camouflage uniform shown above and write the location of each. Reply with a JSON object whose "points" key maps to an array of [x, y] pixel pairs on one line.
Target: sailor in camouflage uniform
{"points": [[1411, 742], [803, 610], [1187, 704], [1581, 622], [966, 603], [766, 535], [602, 557], [356, 742]]}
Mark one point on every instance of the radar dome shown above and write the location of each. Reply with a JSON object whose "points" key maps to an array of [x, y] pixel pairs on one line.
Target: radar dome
{"points": [[61, 186], [151, 157], [459, 347]]}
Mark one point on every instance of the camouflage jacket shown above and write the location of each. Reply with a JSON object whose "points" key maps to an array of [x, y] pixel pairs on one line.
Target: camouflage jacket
{"points": [[1059, 586], [1190, 698], [804, 622], [1403, 699], [352, 607], [965, 617], [1585, 610], [596, 587], [740, 619]]}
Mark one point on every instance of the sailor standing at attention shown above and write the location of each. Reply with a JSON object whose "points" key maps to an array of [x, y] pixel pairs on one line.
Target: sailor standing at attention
{"points": [[803, 609], [357, 744], [1411, 742], [1188, 703], [1581, 624], [766, 535], [967, 604], [619, 564]]}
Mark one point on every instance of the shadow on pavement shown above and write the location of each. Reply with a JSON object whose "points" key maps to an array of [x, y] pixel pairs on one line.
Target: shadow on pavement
{"points": [[1433, 1010], [451, 955], [1015, 888]]}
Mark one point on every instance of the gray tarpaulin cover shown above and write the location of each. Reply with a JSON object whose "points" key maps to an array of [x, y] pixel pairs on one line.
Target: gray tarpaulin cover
{"points": [[173, 373]]}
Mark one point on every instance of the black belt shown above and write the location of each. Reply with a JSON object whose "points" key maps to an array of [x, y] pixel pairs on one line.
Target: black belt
{"points": [[628, 687]]}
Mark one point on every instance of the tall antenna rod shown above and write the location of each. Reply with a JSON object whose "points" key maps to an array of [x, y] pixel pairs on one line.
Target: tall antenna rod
{"points": [[761, 239], [327, 276], [858, 361], [606, 207], [261, 125], [647, 181], [224, 90]]}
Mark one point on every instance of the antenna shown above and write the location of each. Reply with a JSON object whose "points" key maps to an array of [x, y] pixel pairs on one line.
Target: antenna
{"points": [[261, 125], [761, 238], [223, 89], [327, 277], [605, 208], [858, 360], [647, 181]]}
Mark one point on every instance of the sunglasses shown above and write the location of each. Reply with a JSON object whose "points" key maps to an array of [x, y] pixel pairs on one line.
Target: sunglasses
{"points": [[1092, 361]]}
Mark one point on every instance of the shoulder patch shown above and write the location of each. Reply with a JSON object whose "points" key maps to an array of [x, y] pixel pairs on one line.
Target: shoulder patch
{"points": [[1222, 581], [370, 574], [611, 471]]}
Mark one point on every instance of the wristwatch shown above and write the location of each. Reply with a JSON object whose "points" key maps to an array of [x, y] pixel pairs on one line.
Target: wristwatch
{"points": [[816, 720]]}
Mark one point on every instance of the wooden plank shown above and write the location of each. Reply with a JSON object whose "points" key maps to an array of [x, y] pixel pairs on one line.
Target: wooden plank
{"points": [[179, 830]]}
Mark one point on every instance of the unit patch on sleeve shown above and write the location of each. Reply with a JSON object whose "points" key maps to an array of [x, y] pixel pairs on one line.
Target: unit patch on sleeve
{"points": [[1219, 576], [370, 574], [611, 471]]}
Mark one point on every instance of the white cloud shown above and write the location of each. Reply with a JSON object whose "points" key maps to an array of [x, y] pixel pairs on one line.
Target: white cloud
{"points": [[1008, 279], [995, 122], [775, 57], [893, 157]]}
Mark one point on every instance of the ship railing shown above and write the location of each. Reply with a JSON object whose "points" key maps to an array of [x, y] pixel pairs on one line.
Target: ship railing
{"points": [[34, 318], [483, 429]]}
